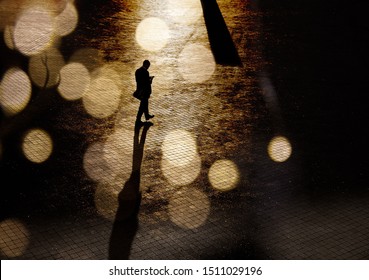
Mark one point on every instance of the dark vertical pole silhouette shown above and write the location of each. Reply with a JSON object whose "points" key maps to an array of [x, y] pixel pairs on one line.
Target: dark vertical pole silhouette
{"points": [[220, 39], [126, 220]]}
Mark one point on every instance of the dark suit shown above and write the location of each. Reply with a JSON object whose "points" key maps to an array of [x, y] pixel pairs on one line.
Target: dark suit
{"points": [[143, 83]]}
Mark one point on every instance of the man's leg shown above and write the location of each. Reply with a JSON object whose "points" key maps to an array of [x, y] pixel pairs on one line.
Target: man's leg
{"points": [[146, 110], [141, 110]]}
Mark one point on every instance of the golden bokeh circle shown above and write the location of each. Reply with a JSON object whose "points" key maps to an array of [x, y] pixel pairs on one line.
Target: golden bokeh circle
{"points": [[37, 145], [15, 91], [224, 175], [152, 34], [279, 149]]}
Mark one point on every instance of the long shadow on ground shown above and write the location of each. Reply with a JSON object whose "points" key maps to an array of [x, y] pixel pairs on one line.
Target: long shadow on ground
{"points": [[126, 220]]}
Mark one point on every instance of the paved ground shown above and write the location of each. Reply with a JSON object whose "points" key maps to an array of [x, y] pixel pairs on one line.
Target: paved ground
{"points": [[199, 183]]}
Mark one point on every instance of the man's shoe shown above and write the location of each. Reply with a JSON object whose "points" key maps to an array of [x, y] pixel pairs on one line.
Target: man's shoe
{"points": [[139, 123], [149, 117]]}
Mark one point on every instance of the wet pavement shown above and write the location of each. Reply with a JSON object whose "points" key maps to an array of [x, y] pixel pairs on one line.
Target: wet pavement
{"points": [[203, 179]]}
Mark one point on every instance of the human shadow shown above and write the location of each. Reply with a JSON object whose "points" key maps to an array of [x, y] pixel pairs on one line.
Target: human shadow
{"points": [[126, 219]]}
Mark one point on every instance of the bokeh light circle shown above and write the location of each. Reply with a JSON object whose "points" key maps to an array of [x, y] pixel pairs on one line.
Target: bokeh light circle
{"points": [[106, 199], [102, 98], [33, 31], [179, 147], [8, 37], [279, 149], [185, 11], [66, 21], [110, 71], [189, 208], [224, 175], [15, 91], [152, 34], [37, 145], [95, 164], [118, 152], [196, 63], [181, 175], [14, 238], [74, 81]]}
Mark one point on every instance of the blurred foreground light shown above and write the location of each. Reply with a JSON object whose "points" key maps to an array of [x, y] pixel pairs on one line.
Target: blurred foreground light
{"points": [[224, 175], [189, 208], [179, 147], [66, 22], [57, 6], [44, 68], [33, 31], [95, 164], [279, 149], [181, 175], [110, 162], [15, 91], [152, 34], [74, 81], [37, 145], [14, 238], [8, 37], [109, 71], [196, 63], [102, 98], [118, 152], [106, 199], [185, 11]]}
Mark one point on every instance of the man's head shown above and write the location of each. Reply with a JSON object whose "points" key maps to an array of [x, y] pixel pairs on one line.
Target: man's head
{"points": [[146, 64]]}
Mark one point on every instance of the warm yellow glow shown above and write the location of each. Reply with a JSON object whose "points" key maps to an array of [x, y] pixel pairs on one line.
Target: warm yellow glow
{"points": [[56, 6], [14, 238], [33, 31], [8, 12], [95, 165], [102, 98], [224, 175], [122, 74], [185, 11], [109, 71], [196, 63], [37, 145], [152, 34], [74, 81], [8, 36], [66, 21], [189, 208], [180, 175], [44, 68], [88, 57], [110, 161], [179, 147], [118, 152], [15, 91], [279, 149], [106, 200]]}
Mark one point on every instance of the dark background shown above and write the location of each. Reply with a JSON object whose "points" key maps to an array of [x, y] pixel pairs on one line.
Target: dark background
{"points": [[317, 54]]}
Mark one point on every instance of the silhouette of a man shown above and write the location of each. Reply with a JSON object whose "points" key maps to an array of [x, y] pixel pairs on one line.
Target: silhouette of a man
{"points": [[143, 83]]}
